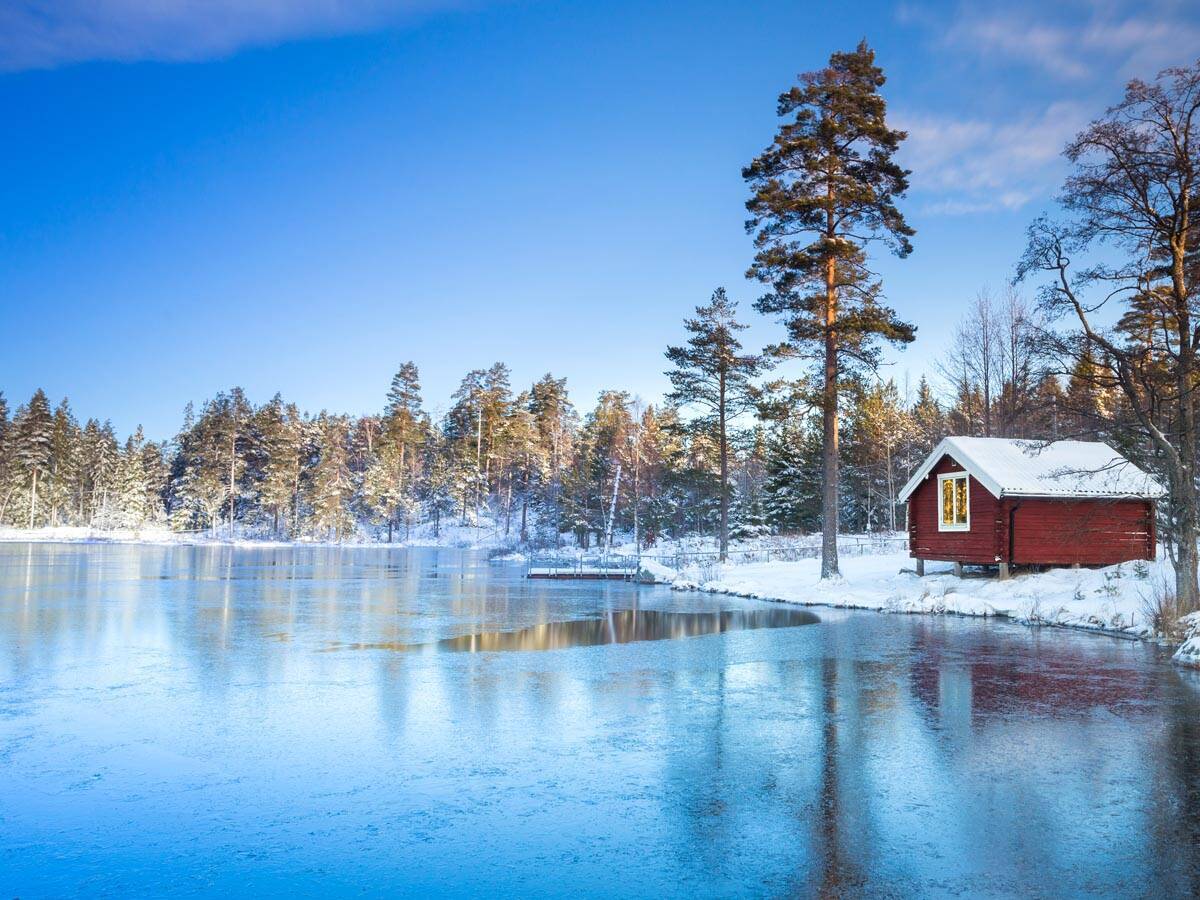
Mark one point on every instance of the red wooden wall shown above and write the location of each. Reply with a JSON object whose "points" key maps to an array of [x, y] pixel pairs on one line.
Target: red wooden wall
{"points": [[1044, 531], [1090, 532], [978, 546]]}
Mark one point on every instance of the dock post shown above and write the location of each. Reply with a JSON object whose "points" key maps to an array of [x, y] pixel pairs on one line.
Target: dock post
{"points": [[1002, 574], [920, 568], [958, 570]]}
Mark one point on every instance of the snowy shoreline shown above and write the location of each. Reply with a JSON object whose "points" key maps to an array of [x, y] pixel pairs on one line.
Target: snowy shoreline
{"points": [[1112, 601], [453, 537]]}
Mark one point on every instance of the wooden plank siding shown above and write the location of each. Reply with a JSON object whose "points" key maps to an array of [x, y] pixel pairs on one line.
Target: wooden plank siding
{"points": [[1050, 531], [1044, 531]]}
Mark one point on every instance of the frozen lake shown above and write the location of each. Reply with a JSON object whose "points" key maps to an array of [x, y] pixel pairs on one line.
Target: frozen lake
{"points": [[178, 720]]}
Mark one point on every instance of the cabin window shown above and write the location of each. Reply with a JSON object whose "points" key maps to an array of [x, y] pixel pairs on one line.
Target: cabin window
{"points": [[954, 502]]}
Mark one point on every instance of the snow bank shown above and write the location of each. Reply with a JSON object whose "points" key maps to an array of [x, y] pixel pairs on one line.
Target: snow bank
{"points": [[1188, 653], [1112, 599], [653, 572]]}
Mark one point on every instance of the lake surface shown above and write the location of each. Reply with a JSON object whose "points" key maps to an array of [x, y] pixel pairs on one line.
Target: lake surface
{"points": [[201, 721]]}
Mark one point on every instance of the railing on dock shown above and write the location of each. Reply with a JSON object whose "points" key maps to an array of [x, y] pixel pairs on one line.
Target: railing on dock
{"points": [[614, 565]]}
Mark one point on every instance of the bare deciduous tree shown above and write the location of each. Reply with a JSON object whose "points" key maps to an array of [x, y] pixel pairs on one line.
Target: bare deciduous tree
{"points": [[1135, 187]]}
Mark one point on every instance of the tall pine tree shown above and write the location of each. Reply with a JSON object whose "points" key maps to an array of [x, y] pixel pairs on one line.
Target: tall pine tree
{"points": [[823, 190]]}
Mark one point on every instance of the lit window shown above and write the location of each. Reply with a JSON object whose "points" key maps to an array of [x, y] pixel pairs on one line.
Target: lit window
{"points": [[955, 503]]}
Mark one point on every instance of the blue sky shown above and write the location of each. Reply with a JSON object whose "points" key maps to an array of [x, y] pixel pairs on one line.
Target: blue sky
{"points": [[297, 197]]}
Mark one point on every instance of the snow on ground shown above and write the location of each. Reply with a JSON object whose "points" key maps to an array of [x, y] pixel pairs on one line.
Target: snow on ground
{"points": [[1113, 599]]}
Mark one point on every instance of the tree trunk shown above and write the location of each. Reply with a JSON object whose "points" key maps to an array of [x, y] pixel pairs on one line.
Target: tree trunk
{"points": [[1187, 589], [724, 538], [829, 414], [891, 482], [612, 511], [232, 467], [637, 492], [33, 498], [478, 464]]}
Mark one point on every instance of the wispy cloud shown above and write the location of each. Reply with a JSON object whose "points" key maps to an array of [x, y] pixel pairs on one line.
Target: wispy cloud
{"points": [[1073, 41], [1065, 61], [976, 165], [47, 33]]}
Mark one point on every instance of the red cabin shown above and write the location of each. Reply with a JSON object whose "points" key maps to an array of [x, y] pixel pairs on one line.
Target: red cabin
{"points": [[1001, 502]]}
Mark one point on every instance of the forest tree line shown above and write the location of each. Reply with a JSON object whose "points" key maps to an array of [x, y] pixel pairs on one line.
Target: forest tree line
{"points": [[529, 463]]}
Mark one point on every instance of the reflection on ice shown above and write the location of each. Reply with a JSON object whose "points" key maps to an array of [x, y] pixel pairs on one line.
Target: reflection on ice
{"points": [[623, 626]]}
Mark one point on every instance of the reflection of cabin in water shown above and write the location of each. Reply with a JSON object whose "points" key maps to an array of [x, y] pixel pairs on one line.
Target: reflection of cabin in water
{"points": [[1001, 502]]}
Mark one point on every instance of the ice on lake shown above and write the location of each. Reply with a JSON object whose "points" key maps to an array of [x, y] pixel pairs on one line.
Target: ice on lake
{"points": [[208, 720]]}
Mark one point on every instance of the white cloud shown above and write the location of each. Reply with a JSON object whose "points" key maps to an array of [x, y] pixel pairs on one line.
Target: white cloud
{"points": [[47, 33], [972, 165]]}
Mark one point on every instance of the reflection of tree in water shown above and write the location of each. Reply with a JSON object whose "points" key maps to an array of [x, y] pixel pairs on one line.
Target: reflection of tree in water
{"points": [[1175, 826], [838, 872]]}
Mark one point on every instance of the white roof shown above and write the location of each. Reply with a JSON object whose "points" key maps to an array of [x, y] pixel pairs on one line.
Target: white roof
{"points": [[1009, 468]]}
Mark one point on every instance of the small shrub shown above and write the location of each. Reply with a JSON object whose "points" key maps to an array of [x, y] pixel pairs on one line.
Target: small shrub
{"points": [[1110, 586], [1141, 571], [708, 571]]}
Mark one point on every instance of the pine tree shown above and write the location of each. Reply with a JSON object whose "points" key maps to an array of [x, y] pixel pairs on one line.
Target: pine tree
{"points": [[132, 483], [34, 446], [155, 472], [791, 488], [435, 494], [556, 422], [749, 519], [63, 478], [929, 422], [711, 372], [284, 436], [404, 395], [332, 490], [826, 186], [391, 479]]}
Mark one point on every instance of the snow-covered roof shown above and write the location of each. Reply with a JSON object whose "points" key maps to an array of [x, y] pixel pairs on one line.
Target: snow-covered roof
{"points": [[1009, 468]]}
